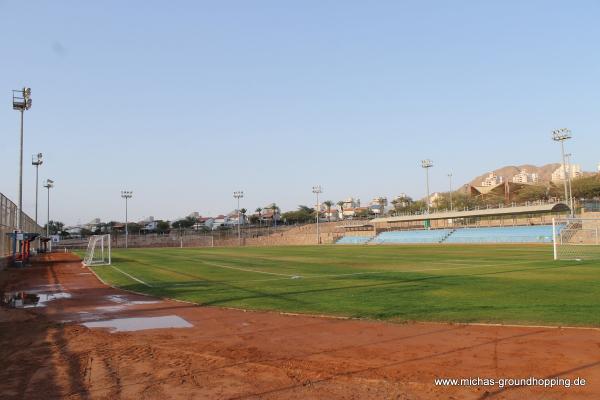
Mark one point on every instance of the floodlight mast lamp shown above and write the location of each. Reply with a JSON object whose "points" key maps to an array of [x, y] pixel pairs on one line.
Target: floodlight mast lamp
{"points": [[560, 135], [317, 190], [126, 194], [36, 161], [238, 195], [49, 185], [21, 102], [426, 164]]}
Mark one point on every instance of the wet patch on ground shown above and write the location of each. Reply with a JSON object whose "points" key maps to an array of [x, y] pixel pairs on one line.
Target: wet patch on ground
{"points": [[140, 323]]}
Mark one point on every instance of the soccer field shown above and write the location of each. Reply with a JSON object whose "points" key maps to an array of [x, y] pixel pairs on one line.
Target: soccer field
{"points": [[471, 283]]}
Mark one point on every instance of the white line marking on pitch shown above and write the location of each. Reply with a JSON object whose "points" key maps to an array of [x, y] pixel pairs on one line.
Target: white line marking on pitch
{"points": [[466, 266], [247, 270], [376, 272], [132, 277]]}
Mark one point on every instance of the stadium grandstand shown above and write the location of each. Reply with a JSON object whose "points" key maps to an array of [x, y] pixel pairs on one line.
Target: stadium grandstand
{"points": [[530, 223]]}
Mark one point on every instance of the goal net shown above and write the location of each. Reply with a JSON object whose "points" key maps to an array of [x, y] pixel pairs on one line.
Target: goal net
{"points": [[98, 251], [576, 238]]}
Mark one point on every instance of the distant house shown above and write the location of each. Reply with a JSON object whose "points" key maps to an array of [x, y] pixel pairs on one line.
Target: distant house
{"points": [[219, 221], [330, 214], [73, 231], [378, 205], [350, 207], [269, 215], [204, 222], [150, 226], [92, 225], [232, 218]]}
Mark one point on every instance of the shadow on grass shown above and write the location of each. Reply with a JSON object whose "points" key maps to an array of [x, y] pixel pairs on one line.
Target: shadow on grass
{"points": [[256, 294]]}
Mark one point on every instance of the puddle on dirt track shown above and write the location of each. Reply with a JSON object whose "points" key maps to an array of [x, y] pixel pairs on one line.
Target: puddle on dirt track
{"points": [[30, 299], [140, 323]]}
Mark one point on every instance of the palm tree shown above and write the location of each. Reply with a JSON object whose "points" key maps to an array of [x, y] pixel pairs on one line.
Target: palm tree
{"points": [[243, 211], [274, 208], [328, 204], [259, 212], [395, 206], [341, 205]]}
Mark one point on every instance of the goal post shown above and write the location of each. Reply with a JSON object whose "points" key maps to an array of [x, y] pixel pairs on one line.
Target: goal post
{"points": [[98, 251], [576, 238]]}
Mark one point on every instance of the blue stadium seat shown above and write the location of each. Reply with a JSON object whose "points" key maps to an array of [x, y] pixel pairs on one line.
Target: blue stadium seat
{"points": [[421, 236], [505, 234], [354, 240]]}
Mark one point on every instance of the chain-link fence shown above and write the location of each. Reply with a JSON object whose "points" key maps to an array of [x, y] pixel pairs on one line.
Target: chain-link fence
{"points": [[8, 223]]}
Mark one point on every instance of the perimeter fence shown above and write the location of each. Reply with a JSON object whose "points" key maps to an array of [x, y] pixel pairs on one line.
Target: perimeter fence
{"points": [[8, 223]]}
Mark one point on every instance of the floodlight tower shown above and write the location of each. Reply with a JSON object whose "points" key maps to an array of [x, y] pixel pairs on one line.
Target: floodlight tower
{"points": [[238, 195], [568, 160], [450, 178], [49, 185], [560, 135], [126, 194], [21, 102], [426, 164], [316, 190], [36, 161]]}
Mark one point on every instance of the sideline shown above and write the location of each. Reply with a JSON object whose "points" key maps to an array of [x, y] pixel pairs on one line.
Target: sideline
{"points": [[349, 318]]}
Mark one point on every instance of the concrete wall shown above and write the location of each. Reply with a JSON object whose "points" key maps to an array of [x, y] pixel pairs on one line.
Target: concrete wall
{"points": [[281, 240]]}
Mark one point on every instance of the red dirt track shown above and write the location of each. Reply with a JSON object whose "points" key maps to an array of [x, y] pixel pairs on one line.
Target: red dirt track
{"points": [[230, 354]]}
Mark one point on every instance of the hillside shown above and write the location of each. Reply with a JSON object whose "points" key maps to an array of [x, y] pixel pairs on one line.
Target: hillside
{"points": [[544, 172]]}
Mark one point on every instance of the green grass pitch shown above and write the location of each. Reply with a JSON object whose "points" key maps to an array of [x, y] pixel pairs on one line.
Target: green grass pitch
{"points": [[471, 283]]}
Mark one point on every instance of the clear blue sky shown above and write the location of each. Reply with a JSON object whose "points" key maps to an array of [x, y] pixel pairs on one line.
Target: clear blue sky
{"points": [[185, 102]]}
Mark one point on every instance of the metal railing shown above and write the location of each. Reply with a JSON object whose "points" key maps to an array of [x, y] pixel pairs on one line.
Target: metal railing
{"points": [[478, 207]]}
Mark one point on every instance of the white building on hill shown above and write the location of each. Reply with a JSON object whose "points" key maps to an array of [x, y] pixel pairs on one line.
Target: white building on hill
{"points": [[573, 170], [492, 180], [524, 177]]}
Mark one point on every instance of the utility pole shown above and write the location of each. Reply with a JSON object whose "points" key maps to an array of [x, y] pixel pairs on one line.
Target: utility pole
{"points": [[426, 164], [21, 102], [571, 200], [36, 161], [560, 135], [238, 195], [126, 194], [49, 185], [316, 190]]}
